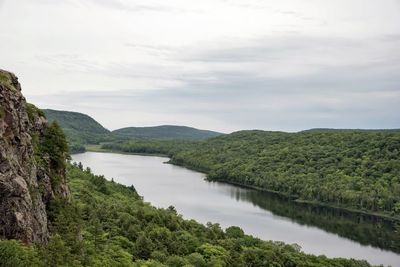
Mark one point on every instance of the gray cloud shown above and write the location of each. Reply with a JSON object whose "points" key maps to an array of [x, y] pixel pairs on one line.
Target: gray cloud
{"points": [[233, 64], [259, 5], [326, 99], [271, 48], [391, 37], [139, 6], [346, 94], [130, 6]]}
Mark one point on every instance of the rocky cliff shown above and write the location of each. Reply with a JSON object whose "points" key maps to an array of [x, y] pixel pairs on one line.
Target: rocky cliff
{"points": [[30, 176]]}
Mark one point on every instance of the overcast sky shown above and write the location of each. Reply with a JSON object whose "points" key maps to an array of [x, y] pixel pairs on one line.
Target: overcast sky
{"points": [[222, 65]]}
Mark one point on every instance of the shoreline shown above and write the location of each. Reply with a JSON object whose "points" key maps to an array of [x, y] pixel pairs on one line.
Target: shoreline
{"points": [[299, 201], [96, 148]]}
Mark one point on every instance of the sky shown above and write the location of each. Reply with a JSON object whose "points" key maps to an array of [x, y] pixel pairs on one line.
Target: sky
{"points": [[223, 65]]}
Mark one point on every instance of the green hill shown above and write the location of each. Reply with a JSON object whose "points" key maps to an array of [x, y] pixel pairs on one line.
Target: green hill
{"points": [[79, 128], [324, 130], [82, 130], [166, 132]]}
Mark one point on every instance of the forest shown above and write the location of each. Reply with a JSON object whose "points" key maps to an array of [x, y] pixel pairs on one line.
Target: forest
{"points": [[355, 170], [165, 132], [108, 224]]}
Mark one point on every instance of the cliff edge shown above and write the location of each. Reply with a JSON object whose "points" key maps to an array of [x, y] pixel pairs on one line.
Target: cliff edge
{"points": [[30, 175]]}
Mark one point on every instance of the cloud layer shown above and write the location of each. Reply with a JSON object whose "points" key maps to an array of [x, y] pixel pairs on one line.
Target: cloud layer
{"points": [[222, 64]]}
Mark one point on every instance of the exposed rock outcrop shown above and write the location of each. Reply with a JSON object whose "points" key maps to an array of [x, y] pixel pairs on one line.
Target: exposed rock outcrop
{"points": [[25, 176]]}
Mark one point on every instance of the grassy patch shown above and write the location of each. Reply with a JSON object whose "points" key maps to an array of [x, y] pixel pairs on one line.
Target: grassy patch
{"points": [[33, 111], [5, 79]]}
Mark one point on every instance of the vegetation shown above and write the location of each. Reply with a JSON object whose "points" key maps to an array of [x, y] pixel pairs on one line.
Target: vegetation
{"points": [[349, 169], [79, 128], [324, 130], [166, 132], [51, 152], [33, 111], [55, 146], [107, 224], [149, 146], [14, 253], [5, 79]]}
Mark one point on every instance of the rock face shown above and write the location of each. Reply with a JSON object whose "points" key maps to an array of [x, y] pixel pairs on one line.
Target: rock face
{"points": [[25, 185]]}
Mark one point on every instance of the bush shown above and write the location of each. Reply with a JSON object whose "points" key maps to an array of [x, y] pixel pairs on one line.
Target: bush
{"points": [[14, 253]]}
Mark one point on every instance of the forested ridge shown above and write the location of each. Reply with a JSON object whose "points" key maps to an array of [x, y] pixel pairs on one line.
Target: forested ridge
{"points": [[165, 132], [80, 129], [108, 224], [357, 170]]}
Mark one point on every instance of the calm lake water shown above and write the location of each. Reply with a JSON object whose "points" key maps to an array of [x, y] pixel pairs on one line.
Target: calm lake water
{"points": [[317, 230]]}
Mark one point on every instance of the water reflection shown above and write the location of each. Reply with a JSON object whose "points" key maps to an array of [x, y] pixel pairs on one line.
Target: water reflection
{"points": [[365, 229]]}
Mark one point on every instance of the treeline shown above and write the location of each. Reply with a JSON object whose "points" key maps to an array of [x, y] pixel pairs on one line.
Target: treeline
{"points": [[107, 224], [349, 169], [152, 146]]}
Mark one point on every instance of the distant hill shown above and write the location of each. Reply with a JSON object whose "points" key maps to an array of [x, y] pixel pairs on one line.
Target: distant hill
{"points": [[165, 132], [79, 128], [322, 130], [82, 130]]}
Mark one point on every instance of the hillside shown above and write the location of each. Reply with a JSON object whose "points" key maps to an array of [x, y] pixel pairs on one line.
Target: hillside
{"points": [[352, 170], [82, 130], [324, 130], [166, 132], [79, 128]]}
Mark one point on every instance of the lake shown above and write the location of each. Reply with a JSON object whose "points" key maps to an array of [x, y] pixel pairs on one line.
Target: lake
{"points": [[318, 230]]}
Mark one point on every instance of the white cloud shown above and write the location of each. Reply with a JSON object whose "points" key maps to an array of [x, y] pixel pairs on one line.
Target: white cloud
{"points": [[220, 64]]}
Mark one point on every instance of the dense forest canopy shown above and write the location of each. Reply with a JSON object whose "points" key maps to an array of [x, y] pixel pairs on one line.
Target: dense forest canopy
{"points": [[349, 169], [324, 130], [166, 132]]}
